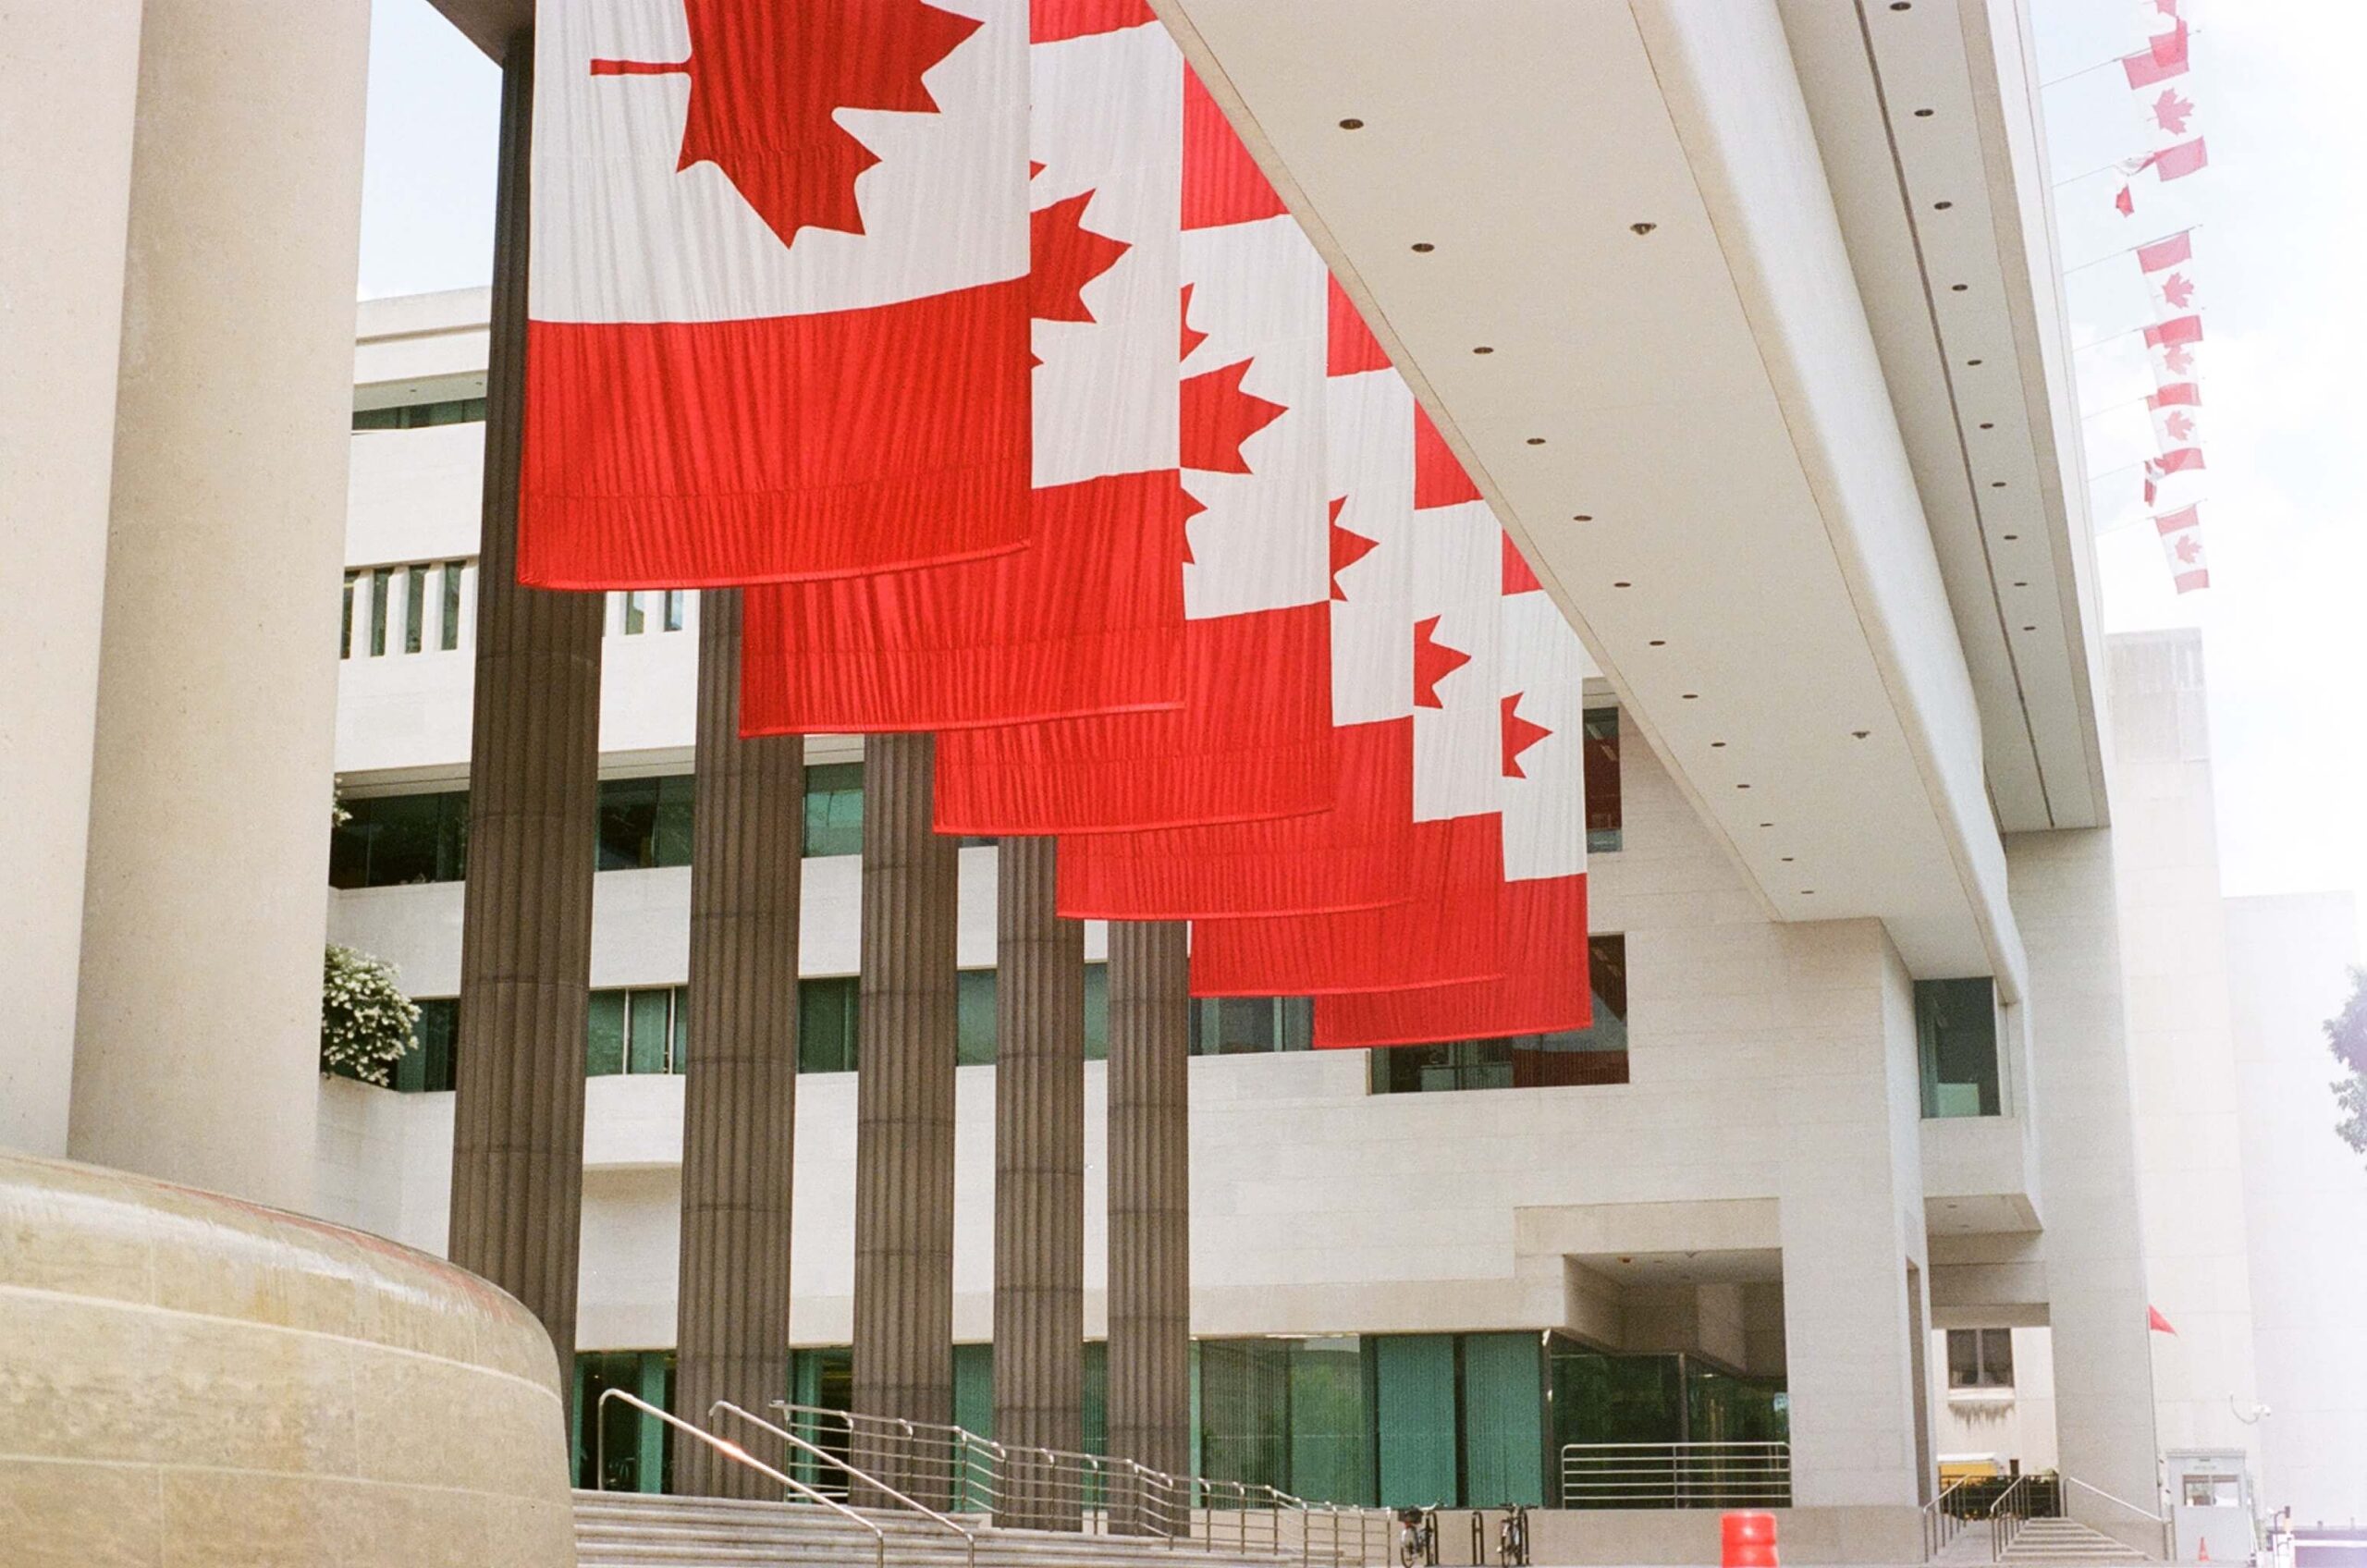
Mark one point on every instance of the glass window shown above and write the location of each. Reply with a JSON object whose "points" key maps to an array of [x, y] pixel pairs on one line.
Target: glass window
{"points": [[1330, 1420], [635, 613], [379, 581], [1572, 1056], [974, 1018], [827, 1010], [345, 626], [1956, 1025], [1414, 1406], [418, 416], [645, 822], [834, 809], [414, 607], [618, 1448], [674, 597], [1244, 1411], [1097, 1013], [635, 1031], [394, 840], [429, 1066], [1980, 1359], [1602, 781], [1250, 1025], [451, 637], [1504, 1419]]}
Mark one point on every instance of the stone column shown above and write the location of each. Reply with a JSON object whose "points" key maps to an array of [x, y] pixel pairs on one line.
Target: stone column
{"points": [[1150, 1201], [903, 1161], [526, 917], [740, 1093], [197, 1034], [68, 81], [1040, 1180]]}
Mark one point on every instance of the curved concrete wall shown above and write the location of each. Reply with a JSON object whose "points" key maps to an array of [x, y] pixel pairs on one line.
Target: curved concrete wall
{"points": [[185, 1377]]}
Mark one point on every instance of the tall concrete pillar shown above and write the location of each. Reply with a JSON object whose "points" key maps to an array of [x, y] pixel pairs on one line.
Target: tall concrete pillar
{"points": [[1150, 1196], [68, 78], [740, 1093], [2080, 1103], [197, 1036], [526, 917], [1039, 1180], [903, 1160]]}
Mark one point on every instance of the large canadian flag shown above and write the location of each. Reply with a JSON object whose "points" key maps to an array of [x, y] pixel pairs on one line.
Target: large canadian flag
{"points": [[1545, 986], [1447, 931], [777, 294], [1253, 738], [1356, 855], [1089, 619]]}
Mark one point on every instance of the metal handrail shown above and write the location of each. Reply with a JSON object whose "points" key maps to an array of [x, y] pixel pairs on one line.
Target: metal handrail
{"points": [[1941, 1526], [1680, 1473], [969, 1540], [2003, 1525], [732, 1451], [2145, 1514]]}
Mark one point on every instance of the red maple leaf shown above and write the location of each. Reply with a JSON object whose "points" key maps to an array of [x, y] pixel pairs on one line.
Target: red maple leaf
{"points": [[2170, 111], [1433, 662], [2188, 549], [1347, 547], [1217, 416], [1519, 734], [1193, 506], [2178, 358], [1193, 337], [2177, 288], [767, 83], [1063, 257], [2179, 424]]}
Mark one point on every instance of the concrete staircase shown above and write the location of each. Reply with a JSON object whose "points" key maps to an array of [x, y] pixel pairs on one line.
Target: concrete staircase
{"points": [[2066, 1541], [643, 1530]]}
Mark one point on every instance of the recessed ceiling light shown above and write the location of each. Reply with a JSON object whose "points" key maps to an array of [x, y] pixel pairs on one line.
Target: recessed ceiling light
{"points": [[1767, 824], [1424, 247], [1623, 585], [2021, 585], [1787, 860], [1942, 206], [1660, 642], [1860, 734], [1989, 424], [2010, 538], [1742, 785], [1922, 114], [1973, 361], [1717, 745], [1996, 484], [1641, 228], [1537, 440], [1958, 288], [1483, 349], [1808, 892], [1352, 125], [1689, 696], [1582, 517], [2030, 629]]}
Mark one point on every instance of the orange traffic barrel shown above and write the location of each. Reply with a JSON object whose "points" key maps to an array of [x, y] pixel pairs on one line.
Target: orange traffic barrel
{"points": [[1747, 1540]]}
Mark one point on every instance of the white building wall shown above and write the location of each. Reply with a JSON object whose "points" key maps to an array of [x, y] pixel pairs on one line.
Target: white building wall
{"points": [[2181, 1041], [2305, 1202]]}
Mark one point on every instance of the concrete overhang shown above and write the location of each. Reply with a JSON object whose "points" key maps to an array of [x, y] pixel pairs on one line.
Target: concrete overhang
{"points": [[1680, 409]]}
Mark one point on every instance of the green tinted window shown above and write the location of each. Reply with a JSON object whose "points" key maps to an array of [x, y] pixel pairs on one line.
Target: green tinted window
{"points": [[644, 822], [834, 809], [1097, 1013], [974, 1011], [827, 1010]]}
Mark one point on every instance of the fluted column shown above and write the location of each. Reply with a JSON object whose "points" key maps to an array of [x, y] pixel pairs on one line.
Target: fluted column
{"points": [[1150, 1196], [1040, 1179], [903, 1159], [526, 917], [739, 1090]]}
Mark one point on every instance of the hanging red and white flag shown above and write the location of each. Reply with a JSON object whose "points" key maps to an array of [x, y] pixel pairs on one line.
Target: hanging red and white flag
{"points": [[2164, 57], [2181, 534], [1545, 987], [2170, 344], [1448, 930], [1356, 855], [2162, 255], [2176, 411], [777, 294], [1252, 737], [1089, 619]]}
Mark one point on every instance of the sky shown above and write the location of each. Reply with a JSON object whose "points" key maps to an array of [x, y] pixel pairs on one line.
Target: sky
{"points": [[2280, 252]]}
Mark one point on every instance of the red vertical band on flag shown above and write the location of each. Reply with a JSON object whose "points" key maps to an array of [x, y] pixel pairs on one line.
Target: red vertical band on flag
{"points": [[2163, 254], [1542, 991], [1352, 348], [1051, 21], [1224, 185]]}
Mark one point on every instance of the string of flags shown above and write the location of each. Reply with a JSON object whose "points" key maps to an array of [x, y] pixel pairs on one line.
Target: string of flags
{"points": [[2157, 77], [967, 340]]}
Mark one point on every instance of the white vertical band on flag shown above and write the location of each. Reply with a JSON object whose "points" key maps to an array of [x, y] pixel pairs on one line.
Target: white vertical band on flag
{"points": [[1458, 568], [1370, 455]]}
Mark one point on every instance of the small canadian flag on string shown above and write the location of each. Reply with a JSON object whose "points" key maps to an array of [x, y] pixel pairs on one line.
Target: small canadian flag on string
{"points": [[2181, 533], [2178, 412]]}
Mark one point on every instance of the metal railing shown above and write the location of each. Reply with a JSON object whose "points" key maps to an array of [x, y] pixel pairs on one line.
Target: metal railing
{"points": [[929, 1464], [2155, 1528], [736, 1455], [2014, 1508], [870, 1484], [1943, 1517], [1679, 1474]]}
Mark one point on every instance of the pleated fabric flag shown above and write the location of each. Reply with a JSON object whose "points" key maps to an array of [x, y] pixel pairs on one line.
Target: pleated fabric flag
{"points": [[1089, 619], [744, 362], [1356, 855], [1253, 738], [1447, 932], [1542, 911]]}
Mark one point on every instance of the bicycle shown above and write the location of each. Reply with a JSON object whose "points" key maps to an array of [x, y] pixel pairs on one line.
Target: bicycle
{"points": [[1512, 1537], [1418, 1538]]}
